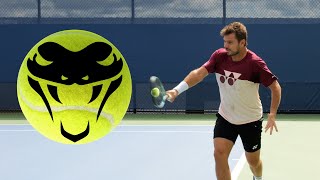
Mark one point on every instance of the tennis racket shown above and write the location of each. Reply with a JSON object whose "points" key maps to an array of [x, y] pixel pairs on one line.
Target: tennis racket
{"points": [[158, 93]]}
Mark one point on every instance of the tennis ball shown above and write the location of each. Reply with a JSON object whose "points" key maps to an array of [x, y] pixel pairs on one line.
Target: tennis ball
{"points": [[155, 92], [74, 86]]}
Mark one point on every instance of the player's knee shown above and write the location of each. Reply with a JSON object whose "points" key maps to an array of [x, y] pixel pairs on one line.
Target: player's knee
{"points": [[254, 162], [220, 154]]}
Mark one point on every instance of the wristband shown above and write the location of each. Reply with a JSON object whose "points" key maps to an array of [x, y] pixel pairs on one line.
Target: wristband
{"points": [[183, 86]]}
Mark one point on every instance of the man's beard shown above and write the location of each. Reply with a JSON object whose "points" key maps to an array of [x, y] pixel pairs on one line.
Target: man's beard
{"points": [[233, 53]]}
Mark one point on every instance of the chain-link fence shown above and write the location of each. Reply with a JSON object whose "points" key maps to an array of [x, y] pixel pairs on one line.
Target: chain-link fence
{"points": [[159, 11]]}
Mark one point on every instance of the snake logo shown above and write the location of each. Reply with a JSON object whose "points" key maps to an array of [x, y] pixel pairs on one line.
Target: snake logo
{"points": [[67, 67]]}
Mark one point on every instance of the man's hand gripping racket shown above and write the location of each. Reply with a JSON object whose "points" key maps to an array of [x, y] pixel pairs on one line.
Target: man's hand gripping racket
{"points": [[158, 93]]}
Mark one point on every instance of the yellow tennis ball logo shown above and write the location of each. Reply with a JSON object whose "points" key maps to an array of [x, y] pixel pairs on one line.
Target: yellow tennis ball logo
{"points": [[74, 86]]}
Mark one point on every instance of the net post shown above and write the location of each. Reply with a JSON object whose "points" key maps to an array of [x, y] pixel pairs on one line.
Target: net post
{"points": [[39, 11], [132, 12]]}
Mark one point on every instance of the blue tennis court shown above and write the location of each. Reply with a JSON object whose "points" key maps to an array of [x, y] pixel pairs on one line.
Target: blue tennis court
{"points": [[141, 152]]}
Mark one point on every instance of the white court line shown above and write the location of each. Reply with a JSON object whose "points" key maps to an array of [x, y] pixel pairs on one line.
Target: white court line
{"points": [[17, 130], [28, 130], [205, 132], [167, 125], [239, 166], [15, 125], [122, 131]]}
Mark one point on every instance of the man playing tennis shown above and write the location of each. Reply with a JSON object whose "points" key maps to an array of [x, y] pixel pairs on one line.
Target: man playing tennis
{"points": [[239, 72]]}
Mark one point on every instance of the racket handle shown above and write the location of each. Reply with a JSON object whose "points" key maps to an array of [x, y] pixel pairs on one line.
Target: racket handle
{"points": [[167, 97]]}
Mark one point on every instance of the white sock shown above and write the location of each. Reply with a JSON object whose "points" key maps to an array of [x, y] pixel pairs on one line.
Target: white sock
{"points": [[258, 178]]}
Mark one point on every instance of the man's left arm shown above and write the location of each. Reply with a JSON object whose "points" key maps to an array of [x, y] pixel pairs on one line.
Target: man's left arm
{"points": [[275, 101]]}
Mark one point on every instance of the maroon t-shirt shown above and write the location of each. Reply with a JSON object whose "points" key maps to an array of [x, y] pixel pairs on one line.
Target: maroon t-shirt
{"points": [[239, 85]]}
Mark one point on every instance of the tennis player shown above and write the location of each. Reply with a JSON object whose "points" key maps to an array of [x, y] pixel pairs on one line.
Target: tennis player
{"points": [[239, 71]]}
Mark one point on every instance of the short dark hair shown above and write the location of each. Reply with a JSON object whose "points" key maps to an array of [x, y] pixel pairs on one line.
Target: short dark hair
{"points": [[238, 29]]}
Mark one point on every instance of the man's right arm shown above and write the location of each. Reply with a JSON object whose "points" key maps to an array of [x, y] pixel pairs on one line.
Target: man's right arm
{"points": [[196, 76], [193, 78]]}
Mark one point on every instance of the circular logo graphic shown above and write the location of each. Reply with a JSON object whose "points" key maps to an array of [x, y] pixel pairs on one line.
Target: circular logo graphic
{"points": [[74, 86]]}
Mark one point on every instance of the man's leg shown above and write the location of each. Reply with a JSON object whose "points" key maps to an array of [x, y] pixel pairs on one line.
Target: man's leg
{"points": [[251, 138], [222, 149], [255, 163], [225, 136]]}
